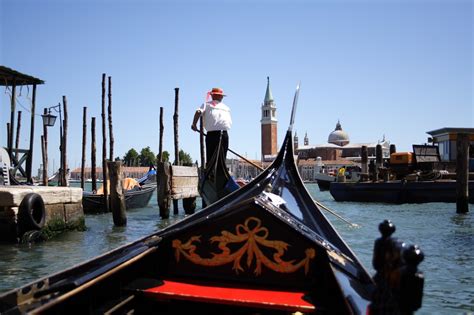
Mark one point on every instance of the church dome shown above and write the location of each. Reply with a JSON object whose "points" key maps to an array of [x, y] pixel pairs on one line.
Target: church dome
{"points": [[338, 136]]}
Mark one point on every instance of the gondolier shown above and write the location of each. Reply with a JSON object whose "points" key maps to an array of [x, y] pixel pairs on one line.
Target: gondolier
{"points": [[217, 121]]}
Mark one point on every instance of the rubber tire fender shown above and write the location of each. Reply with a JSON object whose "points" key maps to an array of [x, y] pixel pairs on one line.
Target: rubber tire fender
{"points": [[31, 214]]}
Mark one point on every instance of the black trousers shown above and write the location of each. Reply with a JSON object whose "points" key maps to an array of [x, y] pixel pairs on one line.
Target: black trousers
{"points": [[212, 143]]}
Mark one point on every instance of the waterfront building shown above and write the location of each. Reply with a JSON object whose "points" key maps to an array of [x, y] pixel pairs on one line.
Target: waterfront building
{"points": [[337, 152], [445, 138]]}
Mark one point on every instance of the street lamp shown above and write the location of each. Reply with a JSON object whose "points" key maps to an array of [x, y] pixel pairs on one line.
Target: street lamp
{"points": [[48, 121]]}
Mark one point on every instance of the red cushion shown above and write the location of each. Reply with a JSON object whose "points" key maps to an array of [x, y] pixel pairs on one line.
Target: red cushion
{"points": [[282, 300]]}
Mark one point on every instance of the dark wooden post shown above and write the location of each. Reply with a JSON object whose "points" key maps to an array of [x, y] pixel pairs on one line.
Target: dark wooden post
{"points": [[159, 163], [8, 136], [378, 160], [160, 144], [393, 149], [176, 139], [111, 133], [164, 178], [203, 154], [364, 161], [93, 156], [45, 154], [29, 159], [462, 173], [17, 140], [84, 141], [64, 179], [117, 200], [12, 120], [104, 148]]}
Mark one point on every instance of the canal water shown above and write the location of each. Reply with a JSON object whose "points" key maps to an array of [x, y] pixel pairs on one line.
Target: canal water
{"points": [[446, 238]]}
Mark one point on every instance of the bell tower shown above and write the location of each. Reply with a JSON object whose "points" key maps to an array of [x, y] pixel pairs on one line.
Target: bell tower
{"points": [[269, 126]]}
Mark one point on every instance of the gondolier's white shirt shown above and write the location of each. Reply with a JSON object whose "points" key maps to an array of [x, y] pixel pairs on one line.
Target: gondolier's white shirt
{"points": [[216, 116]]}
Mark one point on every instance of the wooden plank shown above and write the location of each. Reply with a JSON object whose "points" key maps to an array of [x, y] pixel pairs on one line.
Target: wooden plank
{"points": [[184, 182], [184, 171], [184, 193]]}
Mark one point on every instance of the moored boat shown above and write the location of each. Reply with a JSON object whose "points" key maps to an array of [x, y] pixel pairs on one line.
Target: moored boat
{"points": [[135, 197], [399, 191]]}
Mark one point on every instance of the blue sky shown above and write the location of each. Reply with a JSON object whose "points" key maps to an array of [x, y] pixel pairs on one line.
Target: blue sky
{"points": [[393, 68]]}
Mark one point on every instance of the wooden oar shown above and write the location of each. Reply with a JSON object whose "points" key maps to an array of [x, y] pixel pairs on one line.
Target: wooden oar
{"points": [[335, 214]]}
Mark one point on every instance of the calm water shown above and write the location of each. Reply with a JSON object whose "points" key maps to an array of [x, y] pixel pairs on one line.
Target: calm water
{"points": [[446, 238]]}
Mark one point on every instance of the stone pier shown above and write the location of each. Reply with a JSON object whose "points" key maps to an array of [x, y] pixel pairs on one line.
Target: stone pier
{"points": [[19, 215]]}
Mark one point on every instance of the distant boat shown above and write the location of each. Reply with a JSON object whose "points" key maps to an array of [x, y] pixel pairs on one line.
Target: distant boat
{"points": [[324, 180]]}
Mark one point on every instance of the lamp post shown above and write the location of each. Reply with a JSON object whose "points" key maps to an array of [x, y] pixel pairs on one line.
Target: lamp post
{"points": [[48, 121]]}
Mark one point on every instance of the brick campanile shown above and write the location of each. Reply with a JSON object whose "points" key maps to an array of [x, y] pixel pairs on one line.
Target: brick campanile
{"points": [[269, 126]]}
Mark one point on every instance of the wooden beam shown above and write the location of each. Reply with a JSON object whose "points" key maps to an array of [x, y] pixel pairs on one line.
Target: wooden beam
{"points": [[93, 156], [45, 154], [462, 173], [12, 119], [84, 142], [29, 161], [104, 147], [64, 166], [111, 133], [17, 140]]}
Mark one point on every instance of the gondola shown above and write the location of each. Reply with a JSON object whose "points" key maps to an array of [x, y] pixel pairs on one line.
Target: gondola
{"points": [[265, 248], [138, 197]]}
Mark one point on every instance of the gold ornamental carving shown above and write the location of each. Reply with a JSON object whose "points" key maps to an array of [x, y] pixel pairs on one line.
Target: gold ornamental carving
{"points": [[252, 235]]}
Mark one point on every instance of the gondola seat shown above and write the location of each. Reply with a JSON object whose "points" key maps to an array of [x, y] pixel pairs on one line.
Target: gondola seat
{"points": [[217, 294]]}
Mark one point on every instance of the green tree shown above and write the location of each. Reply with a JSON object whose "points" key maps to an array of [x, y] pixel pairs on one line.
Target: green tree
{"points": [[185, 159], [166, 156], [146, 157], [131, 158]]}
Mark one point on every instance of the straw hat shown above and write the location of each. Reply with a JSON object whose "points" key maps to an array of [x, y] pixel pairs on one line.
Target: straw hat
{"points": [[217, 91]]}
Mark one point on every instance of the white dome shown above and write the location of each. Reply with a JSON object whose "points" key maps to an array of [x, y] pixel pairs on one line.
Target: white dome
{"points": [[338, 136]]}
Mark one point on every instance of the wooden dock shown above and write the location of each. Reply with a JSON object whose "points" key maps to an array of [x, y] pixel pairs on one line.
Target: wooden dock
{"points": [[48, 210]]}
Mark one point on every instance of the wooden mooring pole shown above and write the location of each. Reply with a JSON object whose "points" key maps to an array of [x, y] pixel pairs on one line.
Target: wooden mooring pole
{"points": [[378, 160], [93, 157], [64, 177], [364, 161], [162, 176], [462, 173], [84, 141], [17, 140], [29, 159], [393, 149], [45, 154], [111, 133], [104, 148], [44, 174], [117, 200], [176, 139]]}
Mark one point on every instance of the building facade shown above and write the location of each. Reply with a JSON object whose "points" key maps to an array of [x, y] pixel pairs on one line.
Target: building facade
{"points": [[337, 152], [445, 138]]}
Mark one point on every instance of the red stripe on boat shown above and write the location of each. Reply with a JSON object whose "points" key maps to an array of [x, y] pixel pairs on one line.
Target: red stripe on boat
{"points": [[282, 300]]}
